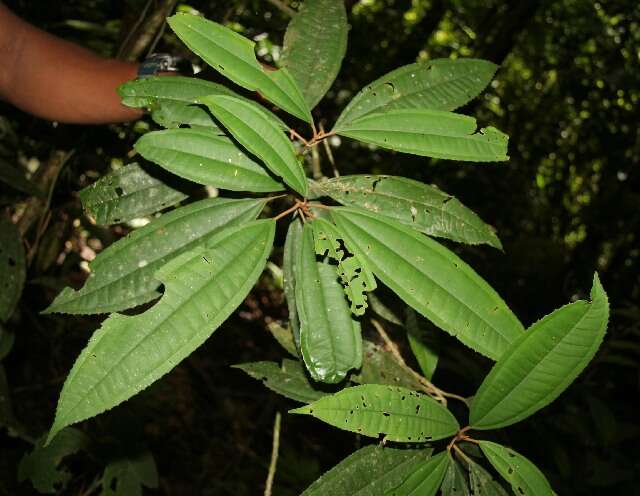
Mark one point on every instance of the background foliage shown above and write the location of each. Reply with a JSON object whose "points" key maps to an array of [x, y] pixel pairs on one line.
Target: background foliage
{"points": [[566, 202]]}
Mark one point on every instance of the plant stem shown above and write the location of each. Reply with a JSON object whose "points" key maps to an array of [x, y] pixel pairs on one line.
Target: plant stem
{"points": [[274, 455]]}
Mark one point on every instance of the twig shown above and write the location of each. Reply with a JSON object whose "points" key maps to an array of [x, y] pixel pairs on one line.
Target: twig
{"points": [[275, 447], [327, 149], [316, 170], [131, 51], [279, 4], [288, 211]]}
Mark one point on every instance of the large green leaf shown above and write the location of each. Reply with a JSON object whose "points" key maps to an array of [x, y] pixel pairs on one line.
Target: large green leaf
{"points": [[173, 100], [330, 338], [432, 280], [423, 207], [423, 342], [379, 366], [370, 471], [395, 412], [122, 276], [540, 365], [233, 56], [481, 481], [455, 480], [204, 157], [354, 274], [426, 478], [525, 478], [203, 286], [290, 257], [127, 193], [430, 133], [288, 380], [126, 475], [261, 136], [41, 466], [12, 267], [314, 45], [440, 84]]}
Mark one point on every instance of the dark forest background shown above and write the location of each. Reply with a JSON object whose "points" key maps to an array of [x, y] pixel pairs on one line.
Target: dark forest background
{"points": [[566, 204]]}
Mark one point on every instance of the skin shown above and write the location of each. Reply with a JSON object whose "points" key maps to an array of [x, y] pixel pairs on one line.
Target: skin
{"points": [[57, 80]]}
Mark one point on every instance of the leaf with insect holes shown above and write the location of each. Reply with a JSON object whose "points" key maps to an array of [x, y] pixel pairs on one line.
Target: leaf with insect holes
{"points": [[330, 339], [370, 471], [431, 279], [123, 275], [314, 45], [354, 274], [439, 84], [397, 413], [233, 56], [425, 208], [455, 480], [126, 475], [430, 133], [289, 380], [525, 478], [127, 193], [12, 267], [173, 100], [205, 158], [542, 363], [425, 479], [481, 481], [203, 286], [261, 136]]}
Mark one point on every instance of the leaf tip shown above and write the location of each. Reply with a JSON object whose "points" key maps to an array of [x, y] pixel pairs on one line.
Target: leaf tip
{"points": [[303, 410]]}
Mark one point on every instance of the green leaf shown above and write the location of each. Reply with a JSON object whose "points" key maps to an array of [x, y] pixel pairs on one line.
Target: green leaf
{"points": [[482, 483], [122, 276], [542, 363], [41, 465], [379, 366], [284, 337], [233, 56], [423, 342], [292, 250], [261, 136], [12, 268], [426, 478], [424, 208], [395, 412], [370, 471], [203, 286], [330, 339], [440, 84], [382, 310], [430, 133], [525, 478], [7, 339], [203, 157], [455, 480], [289, 380], [314, 45], [354, 274], [173, 100], [127, 193], [432, 280], [126, 476]]}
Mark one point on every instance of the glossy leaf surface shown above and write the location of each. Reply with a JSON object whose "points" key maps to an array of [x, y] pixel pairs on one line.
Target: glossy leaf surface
{"points": [[261, 136], [373, 410], [440, 84], [432, 280], [423, 207], [314, 46], [355, 276], [288, 380], [330, 339], [525, 478], [426, 478], [290, 257], [12, 267], [370, 471], [203, 286], [233, 56], [123, 275], [127, 193], [205, 158], [430, 133], [542, 362]]}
